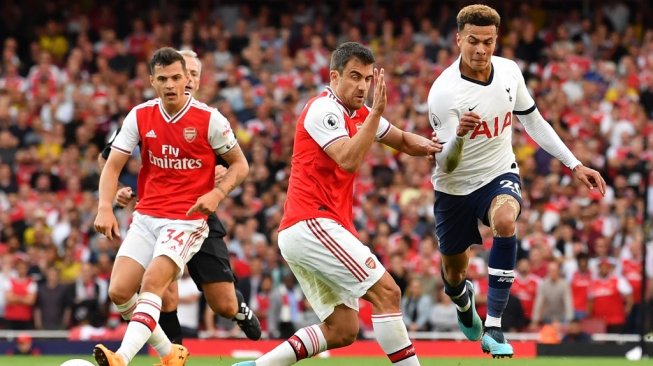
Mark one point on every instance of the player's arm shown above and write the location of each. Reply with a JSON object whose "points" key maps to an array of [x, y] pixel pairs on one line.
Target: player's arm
{"points": [[450, 128], [124, 143], [349, 153], [224, 143], [545, 136], [236, 172], [410, 143]]}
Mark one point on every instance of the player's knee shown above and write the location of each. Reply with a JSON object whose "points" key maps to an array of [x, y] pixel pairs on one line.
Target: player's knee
{"points": [[388, 296], [342, 334], [504, 224], [225, 307], [454, 276], [119, 295]]}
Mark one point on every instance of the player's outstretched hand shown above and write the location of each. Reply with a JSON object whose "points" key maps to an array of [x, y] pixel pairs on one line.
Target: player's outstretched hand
{"points": [[124, 196], [434, 147], [380, 98], [206, 204], [590, 178], [106, 224], [468, 122]]}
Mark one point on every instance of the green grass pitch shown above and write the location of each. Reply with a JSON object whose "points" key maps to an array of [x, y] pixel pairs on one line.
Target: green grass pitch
{"points": [[218, 361]]}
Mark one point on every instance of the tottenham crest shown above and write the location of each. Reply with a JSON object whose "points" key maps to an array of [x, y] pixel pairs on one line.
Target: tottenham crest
{"points": [[435, 122], [190, 133], [330, 121]]}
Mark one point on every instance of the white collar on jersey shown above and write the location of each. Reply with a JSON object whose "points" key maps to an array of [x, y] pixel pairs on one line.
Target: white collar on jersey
{"points": [[181, 112], [333, 95]]}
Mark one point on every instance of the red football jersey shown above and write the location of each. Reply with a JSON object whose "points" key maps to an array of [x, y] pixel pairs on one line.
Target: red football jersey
{"points": [[632, 271], [318, 187], [580, 283], [177, 153], [607, 294], [525, 289]]}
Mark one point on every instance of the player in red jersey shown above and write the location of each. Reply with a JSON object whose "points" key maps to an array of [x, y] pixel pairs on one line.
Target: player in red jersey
{"points": [[209, 268], [317, 237], [178, 138]]}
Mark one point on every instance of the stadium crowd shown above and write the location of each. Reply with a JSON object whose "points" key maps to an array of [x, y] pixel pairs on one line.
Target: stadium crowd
{"points": [[70, 71]]}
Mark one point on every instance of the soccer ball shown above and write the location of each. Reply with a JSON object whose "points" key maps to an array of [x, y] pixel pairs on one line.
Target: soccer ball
{"points": [[77, 362]]}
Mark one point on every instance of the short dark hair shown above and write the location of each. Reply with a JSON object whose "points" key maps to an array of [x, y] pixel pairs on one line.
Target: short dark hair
{"points": [[166, 56], [346, 52], [478, 14]]}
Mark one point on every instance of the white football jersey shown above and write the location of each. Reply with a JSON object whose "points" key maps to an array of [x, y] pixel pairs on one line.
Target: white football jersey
{"points": [[487, 151]]}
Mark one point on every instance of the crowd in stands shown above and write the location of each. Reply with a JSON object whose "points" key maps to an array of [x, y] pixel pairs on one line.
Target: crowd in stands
{"points": [[70, 71]]}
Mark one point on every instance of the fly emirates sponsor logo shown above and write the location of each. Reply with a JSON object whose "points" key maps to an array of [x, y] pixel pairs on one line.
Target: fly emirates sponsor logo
{"points": [[171, 159]]}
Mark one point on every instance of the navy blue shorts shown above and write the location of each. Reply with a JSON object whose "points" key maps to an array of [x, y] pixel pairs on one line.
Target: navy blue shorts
{"points": [[456, 217]]}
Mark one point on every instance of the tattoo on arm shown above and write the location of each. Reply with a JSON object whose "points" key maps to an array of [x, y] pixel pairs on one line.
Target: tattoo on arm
{"points": [[224, 178]]}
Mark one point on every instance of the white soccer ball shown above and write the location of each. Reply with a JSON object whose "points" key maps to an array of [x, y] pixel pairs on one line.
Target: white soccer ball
{"points": [[77, 362]]}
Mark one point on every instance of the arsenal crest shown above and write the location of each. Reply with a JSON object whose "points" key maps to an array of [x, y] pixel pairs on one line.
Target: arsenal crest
{"points": [[190, 133], [370, 263]]}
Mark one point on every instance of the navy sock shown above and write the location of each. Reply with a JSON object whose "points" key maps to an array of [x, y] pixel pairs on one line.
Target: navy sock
{"points": [[460, 297], [501, 264]]}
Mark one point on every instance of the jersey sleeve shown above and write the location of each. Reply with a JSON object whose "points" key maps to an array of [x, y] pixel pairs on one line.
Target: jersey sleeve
{"points": [[221, 136], [128, 137], [384, 126], [524, 103], [107, 148], [444, 118], [325, 123]]}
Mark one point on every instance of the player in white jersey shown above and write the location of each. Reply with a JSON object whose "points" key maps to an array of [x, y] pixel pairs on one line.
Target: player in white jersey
{"points": [[471, 108]]}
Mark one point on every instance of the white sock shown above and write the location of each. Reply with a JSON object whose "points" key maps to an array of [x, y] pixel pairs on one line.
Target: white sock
{"points": [[159, 340], [391, 334], [127, 309], [305, 343], [491, 321], [143, 322]]}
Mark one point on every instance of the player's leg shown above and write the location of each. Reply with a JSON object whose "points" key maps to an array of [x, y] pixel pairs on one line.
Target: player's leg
{"points": [[177, 243], [387, 320], [501, 216], [456, 227], [168, 319], [211, 272], [133, 257]]}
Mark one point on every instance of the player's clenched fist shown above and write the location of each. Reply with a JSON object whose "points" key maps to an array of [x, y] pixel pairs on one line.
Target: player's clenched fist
{"points": [[106, 224], [380, 98], [207, 203], [124, 196], [468, 122]]}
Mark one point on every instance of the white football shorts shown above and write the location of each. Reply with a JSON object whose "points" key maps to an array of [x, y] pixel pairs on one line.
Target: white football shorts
{"points": [[331, 265], [149, 237]]}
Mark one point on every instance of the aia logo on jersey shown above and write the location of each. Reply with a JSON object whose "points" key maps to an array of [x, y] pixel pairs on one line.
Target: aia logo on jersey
{"points": [[370, 263], [488, 130], [190, 133], [330, 121]]}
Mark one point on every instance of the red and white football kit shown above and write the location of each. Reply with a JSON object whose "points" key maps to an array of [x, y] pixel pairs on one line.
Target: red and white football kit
{"points": [[607, 295], [178, 159], [525, 289], [317, 235]]}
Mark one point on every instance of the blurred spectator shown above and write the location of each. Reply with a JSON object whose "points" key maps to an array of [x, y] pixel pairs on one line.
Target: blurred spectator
{"points": [[20, 295], [188, 309], [443, 317], [610, 297], [261, 307], [285, 308], [415, 306], [52, 310], [524, 288], [553, 302], [575, 333], [23, 346], [90, 300], [580, 282]]}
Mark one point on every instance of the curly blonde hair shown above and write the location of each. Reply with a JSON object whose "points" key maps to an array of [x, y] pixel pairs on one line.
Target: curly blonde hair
{"points": [[477, 14]]}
